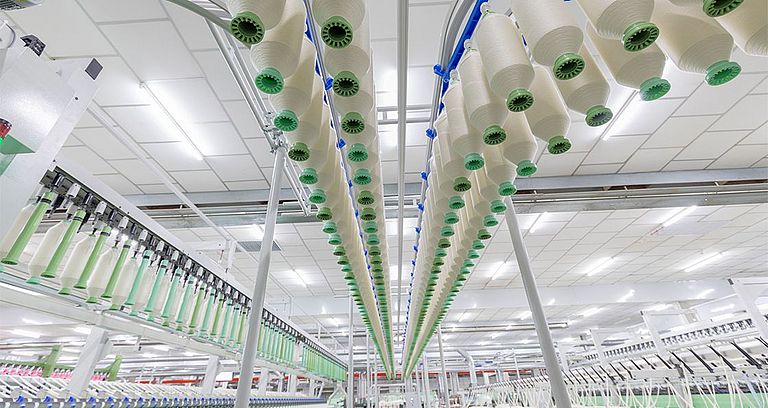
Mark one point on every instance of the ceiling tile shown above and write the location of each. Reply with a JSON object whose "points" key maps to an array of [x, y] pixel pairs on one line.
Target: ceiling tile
{"points": [[220, 77], [679, 132], [118, 10], [120, 184], [645, 160], [384, 25], [136, 171], [235, 168], [243, 119], [614, 150], [104, 144], [759, 136], [710, 145], [710, 100], [85, 157], [642, 118], [748, 114], [583, 136], [174, 156], [216, 139], [154, 188], [559, 165], [740, 156], [198, 181], [687, 165], [119, 85], [144, 123], [261, 152], [598, 169], [247, 185], [192, 27], [190, 101], [425, 29]]}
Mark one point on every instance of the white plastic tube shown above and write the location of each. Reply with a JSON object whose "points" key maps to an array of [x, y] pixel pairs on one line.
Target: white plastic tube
{"points": [[125, 282], [338, 20], [548, 118], [102, 273], [520, 149], [499, 171], [553, 35], [15, 230], [449, 163], [749, 26], [695, 43], [588, 93], [467, 142], [76, 262], [627, 21], [641, 70], [486, 112], [252, 18], [45, 250], [298, 91], [142, 293], [505, 60], [277, 56], [713, 8]]}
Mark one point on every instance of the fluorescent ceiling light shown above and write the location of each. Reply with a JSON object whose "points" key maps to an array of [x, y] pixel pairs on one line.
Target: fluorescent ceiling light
{"points": [[591, 311], [723, 308], [722, 317], [551, 302], [659, 307], [301, 278], [499, 270], [678, 216], [524, 315], [568, 340], [172, 123], [26, 353], [26, 333], [161, 347], [537, 224], [149, 355], [600, 265], [703, 261], [627, 296], [704, 293], [34, 322], [335, 322], [22, 290], [190, 354], [624, 115], [82, 330]]}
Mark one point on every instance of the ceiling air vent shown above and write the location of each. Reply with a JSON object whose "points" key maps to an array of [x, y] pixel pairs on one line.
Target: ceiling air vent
{"points": [[255, 246]]}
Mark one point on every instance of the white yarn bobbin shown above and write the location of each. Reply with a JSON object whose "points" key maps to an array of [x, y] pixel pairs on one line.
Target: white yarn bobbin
{"points": [[356, 57], [640, 70], [339, 20], [548, 117], [485, 110], [553, 35], [252, 18], [353, 108], [521, 147], [311, 126], [467, 142], [277, 56], [625, 20], [298, 91], [588, 93], [449, 163], [696, 43], [500, 171], [749, 27], [505, 60], [713, 8]]}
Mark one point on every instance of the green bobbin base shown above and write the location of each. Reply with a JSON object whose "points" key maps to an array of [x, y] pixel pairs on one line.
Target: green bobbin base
{"points": [[519, 100], [639, 36], [558, 145], [654, 88], [598, 115], [270, 81], [526, 168], [247, 28], [568, 66], [722, 72]]}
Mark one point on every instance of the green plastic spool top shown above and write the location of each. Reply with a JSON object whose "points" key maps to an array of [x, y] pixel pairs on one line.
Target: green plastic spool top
{"points": [[373, 240], [440, 252], [308, 176], [473, 254], [468, 264], [298, 152], [329, 227], [598, 115], [473, 161], [346, 84], [368, 214], [483, 235], [317, 196], [374, 250], [444, 243], [716, 8], [324, 214], [438, 262], [370, 227], [493, 135], [456, 203], [357, 153], [376, 260], [92, 300], [568, 66], [654, 88], [339, 251], [526, 168], [336, 32], [247, 28], [334, 239], [33, 280], [639, 36], [498, 206], [365, 197], [353, 123], [446, 232], [270, 81], [362, 177], [490, 221], [507, 189], [451, 218], [722, 72], [519, 100], [461, 184], [347, 269], [343, 260], [558, 145], [286, 121]]}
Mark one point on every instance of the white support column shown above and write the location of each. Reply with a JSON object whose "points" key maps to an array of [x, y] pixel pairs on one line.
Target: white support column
{"points": [[655, 336], [97, 345], [211, 371], [293, 383], [559, 392], [425, 380], [280, 378], [260, 286], [351, 363], [563, 357], [517, 366], [367, 369], [446, 386], [263, 381], [748, 291]]}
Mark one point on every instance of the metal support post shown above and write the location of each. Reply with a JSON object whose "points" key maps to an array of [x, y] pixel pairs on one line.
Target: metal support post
{"points": [[564, 358], [97, 345], [748, 296], [209, 381], [263, 381], [444, 374], [280, 378], [517, 366], [351, 364], [655, 336], [425, 380], [559, 392], [293, 383], [260, 286], [367, 369]]}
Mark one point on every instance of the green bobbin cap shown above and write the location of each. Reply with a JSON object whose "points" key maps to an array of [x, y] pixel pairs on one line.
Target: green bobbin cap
{"points": [[498, 206], [654, 88], [722, 72], [362, 177], [639, 36], [92, 300], [473, 161], [374, 250], [558, 145], [346, 84], [461, 184], [519, 100], [65, 291], [247, 28], [373, 240], [468, 264], [33, 280], [298, 152], [446, 232], [490, 221], [368, 214], [483, 234], [507, 189], [493, 135], [438, 262], [440, 253], [376, 259], [598, 115], [444, 243], [357, 153], [324, 214], [456, 203], [317, 196], [370, 227], [339, 251], [308, 176], [334, 239], [330, 227], [568, 66], [353, 123], [343, 260], [286, 121], [270, 81], [716, 8], [526, 168], [451, 218], [348, 270], [365, 197], [336, 32], [473, 254]]}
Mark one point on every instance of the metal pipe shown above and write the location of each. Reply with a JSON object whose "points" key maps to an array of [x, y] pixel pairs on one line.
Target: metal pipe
{"points": [[402, 102], [351, 364], [203, 12], [559, 392], [446, 392], [425, 380], [470, 366], [260, 286]]}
